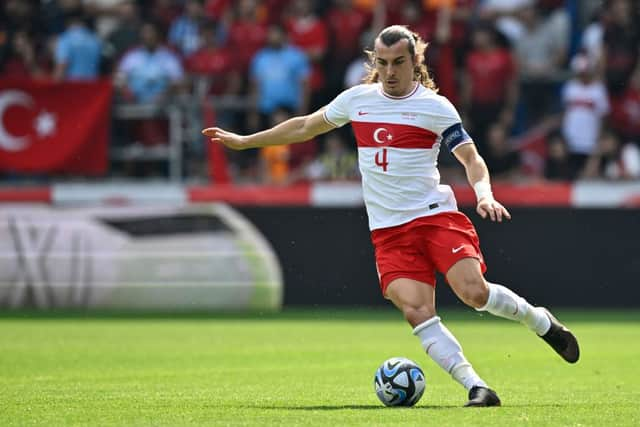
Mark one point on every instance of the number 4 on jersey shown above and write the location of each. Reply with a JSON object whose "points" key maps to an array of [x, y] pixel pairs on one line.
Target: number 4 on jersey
{"points": [[381, 160]]}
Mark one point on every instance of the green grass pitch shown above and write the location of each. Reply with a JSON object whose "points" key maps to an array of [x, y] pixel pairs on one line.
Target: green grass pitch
{"points": [[304, 368]]}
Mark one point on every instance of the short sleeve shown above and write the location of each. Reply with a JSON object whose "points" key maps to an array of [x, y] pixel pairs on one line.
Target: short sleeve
{"points": [[337, 111], [448, 124]]}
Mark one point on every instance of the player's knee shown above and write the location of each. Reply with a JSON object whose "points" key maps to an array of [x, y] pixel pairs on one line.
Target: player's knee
{"points": [[417, 314], [474, 291]]}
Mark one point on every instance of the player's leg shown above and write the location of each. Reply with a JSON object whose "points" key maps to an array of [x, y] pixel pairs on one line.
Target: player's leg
{"points": [[416, 300], [468, 283]]}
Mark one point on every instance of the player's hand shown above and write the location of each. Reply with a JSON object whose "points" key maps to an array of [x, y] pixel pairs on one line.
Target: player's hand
{"points": [[488, 206], [228, 139]]}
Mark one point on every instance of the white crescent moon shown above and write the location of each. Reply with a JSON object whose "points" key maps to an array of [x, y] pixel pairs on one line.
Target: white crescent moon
{"points": [[7, 98], [376, 135]]}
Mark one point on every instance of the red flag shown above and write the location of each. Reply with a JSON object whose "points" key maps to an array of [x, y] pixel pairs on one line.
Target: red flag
{"points": [[54, 127]]}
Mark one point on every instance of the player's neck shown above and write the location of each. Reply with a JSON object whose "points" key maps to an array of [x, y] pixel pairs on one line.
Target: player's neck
{"points": [[401, 93]]}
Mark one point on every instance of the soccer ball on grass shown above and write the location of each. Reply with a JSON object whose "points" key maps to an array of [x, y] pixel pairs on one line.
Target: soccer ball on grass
{"points": [[399, 382]]}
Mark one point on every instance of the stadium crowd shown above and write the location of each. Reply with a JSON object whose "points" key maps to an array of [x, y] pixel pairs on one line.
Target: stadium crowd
{"points": [[549, 89]]}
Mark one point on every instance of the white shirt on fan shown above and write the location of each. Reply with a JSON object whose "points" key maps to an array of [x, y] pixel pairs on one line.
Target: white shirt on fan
{"points": [[584, 107], [398, 142]]}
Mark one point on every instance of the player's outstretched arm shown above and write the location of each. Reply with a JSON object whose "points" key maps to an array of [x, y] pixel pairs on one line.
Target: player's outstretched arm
{"points": [[478, 176], [296, 129]]}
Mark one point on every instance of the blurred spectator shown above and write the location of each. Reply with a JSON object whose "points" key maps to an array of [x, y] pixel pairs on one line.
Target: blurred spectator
{"points": [[104, 14], [613, 160], [217, 9], [621, 44], [77, 51], [18, 15], [503, 162], [279, 75], [285, 164], [625, 110], [247, 34], [504, 14], [150, 72], [275, 11], [126, 34], [163, 13], [585, 104], [557, 165], [184, 31], [213, 66], [541, 52], [418, 20], [489, 84], [357, 70], [336, 162], [592, 39], [274, 159], [308, 32], [21, 60], [274, 164], [346, 24], [433, 23]]}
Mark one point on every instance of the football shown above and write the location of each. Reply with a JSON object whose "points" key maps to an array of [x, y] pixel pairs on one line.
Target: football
{"points": [[399, 382]]}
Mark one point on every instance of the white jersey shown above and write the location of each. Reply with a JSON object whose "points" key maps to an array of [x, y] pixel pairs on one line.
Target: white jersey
{"points": [[398, 143], [585, 105]]}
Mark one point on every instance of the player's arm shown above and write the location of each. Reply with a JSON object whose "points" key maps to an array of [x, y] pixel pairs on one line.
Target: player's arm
{"points": [[478, 176], [296, 129]]}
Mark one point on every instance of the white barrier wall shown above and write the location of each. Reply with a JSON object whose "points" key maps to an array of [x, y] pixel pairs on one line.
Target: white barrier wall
{"points": [[157, 257]]}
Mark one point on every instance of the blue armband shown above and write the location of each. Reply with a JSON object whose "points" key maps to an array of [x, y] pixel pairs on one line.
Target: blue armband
{"points": [[454, 136]]}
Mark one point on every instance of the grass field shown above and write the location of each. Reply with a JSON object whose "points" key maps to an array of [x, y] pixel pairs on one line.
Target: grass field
{"points": [[303, 368]]}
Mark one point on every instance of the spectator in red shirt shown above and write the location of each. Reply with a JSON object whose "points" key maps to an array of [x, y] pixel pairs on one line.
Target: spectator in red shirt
{"points": [[434, 25], [625, 110], [213, 67], [345, 23], [490, 89], [217, 9], [309, 33], [247, 34]]}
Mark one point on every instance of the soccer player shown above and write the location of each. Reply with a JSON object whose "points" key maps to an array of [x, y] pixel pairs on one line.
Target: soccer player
{"points": [[400, 122]]}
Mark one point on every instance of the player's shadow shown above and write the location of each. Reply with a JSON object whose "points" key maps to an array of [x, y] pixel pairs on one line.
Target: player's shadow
{"points": [[359, 407]]}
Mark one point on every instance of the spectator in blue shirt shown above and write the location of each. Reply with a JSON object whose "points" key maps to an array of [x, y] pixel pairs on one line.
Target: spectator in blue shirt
{"points": [[77, 51], [150, 72], [279, 76], [184, 32]]}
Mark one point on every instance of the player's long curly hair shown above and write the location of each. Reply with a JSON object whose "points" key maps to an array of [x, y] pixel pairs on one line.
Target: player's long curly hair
{"points": [[417, 47]]}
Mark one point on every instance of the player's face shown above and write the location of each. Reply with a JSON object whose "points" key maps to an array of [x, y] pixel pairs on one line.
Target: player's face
{"points": [[395, 67]]}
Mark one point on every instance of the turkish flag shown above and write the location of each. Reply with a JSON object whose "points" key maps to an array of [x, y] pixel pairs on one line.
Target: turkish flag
{"points": [[49, 127]]}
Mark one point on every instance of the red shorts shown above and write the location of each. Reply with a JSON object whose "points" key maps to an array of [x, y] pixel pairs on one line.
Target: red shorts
{"points": [[417, 249]]}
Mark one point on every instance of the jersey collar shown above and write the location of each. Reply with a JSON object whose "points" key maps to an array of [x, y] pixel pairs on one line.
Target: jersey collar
{"points": [[415, 89]]}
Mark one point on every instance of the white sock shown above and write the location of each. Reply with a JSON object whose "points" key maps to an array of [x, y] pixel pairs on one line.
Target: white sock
{"points": [[444, 349], [505, 303]]}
